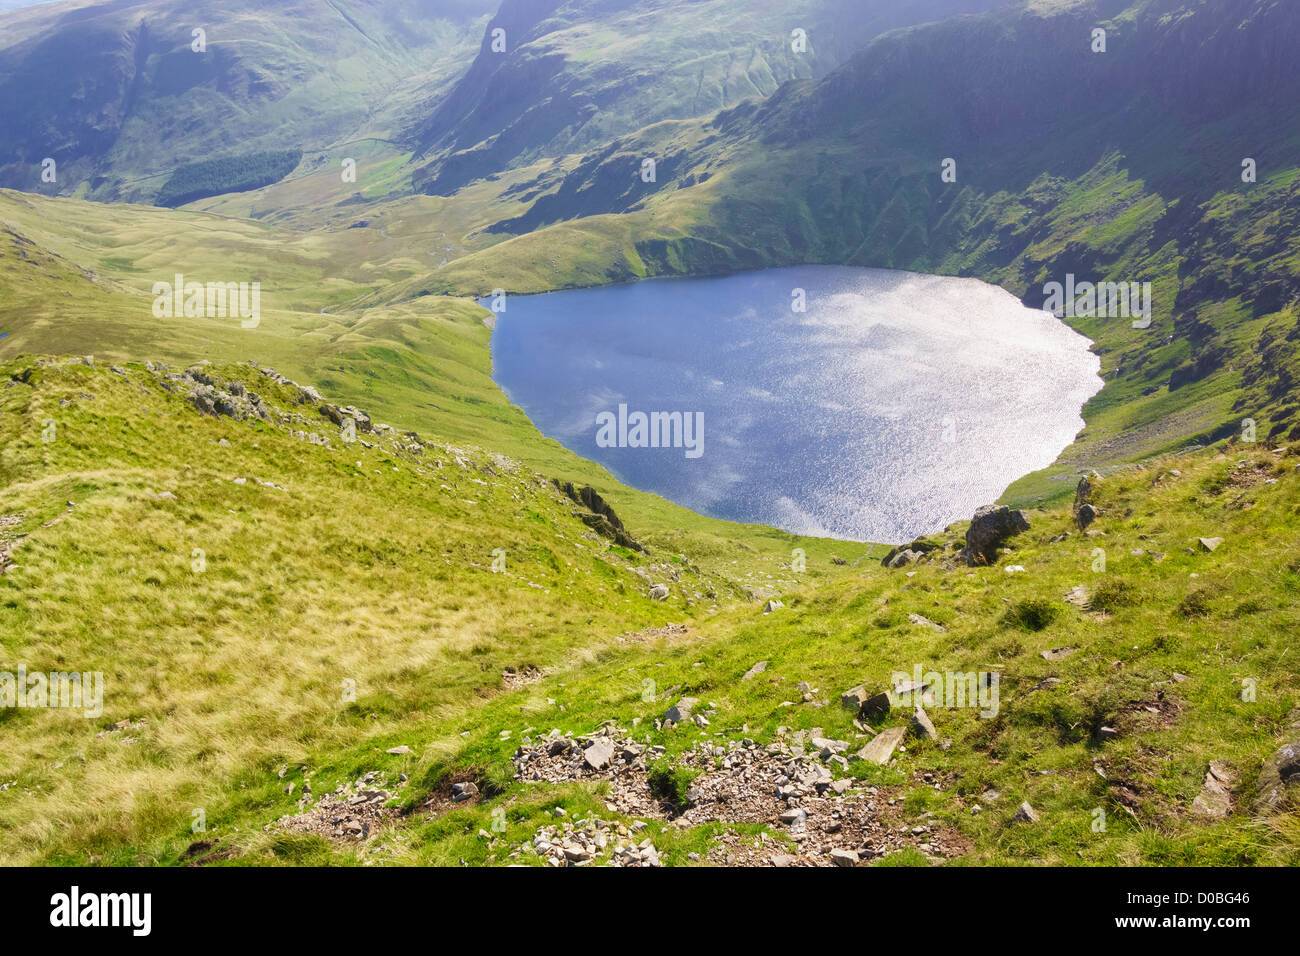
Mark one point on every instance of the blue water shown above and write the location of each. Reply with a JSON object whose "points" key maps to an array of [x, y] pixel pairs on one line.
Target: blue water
{"points": [[894, 405]]}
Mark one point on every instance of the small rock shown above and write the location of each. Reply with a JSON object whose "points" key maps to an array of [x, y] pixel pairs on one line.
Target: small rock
{"points": [[1215, 798], [460, 792], [1279, 776], [1025, 814], [922, 726], [879, 750], [681, 710]]}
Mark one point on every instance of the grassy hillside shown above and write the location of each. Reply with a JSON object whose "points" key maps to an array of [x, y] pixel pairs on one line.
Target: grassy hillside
{"points": [[237, 579]]}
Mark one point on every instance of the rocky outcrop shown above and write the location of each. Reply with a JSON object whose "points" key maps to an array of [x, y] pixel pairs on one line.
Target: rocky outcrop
{"points": [[598, 516], [340, 416], [989, 530], [211, 396], [832, 818], [1279, 780], [905, 554]]}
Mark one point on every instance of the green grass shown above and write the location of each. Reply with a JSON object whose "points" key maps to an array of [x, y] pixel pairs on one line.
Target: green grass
{"points": [[373, 565]]}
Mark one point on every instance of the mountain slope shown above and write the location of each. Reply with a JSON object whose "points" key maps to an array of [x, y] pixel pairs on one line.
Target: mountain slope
{"points": [[118, 97], [575, 73]]}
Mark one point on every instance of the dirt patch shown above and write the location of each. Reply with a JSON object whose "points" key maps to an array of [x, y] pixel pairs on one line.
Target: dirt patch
{"points": [[203, 852], [512, 679], [1249, 473], [1158, 712], [462, 789]]}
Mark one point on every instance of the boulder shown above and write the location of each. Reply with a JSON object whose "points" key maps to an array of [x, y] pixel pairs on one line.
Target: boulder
{"points": [[875, 707], [1209, 544], [1086, 515], [599, 754], [659, 592], [1082, 492], [754, 671], [989, 530], [909, 553], [901, 559], [854, 697], [844, 857]]}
